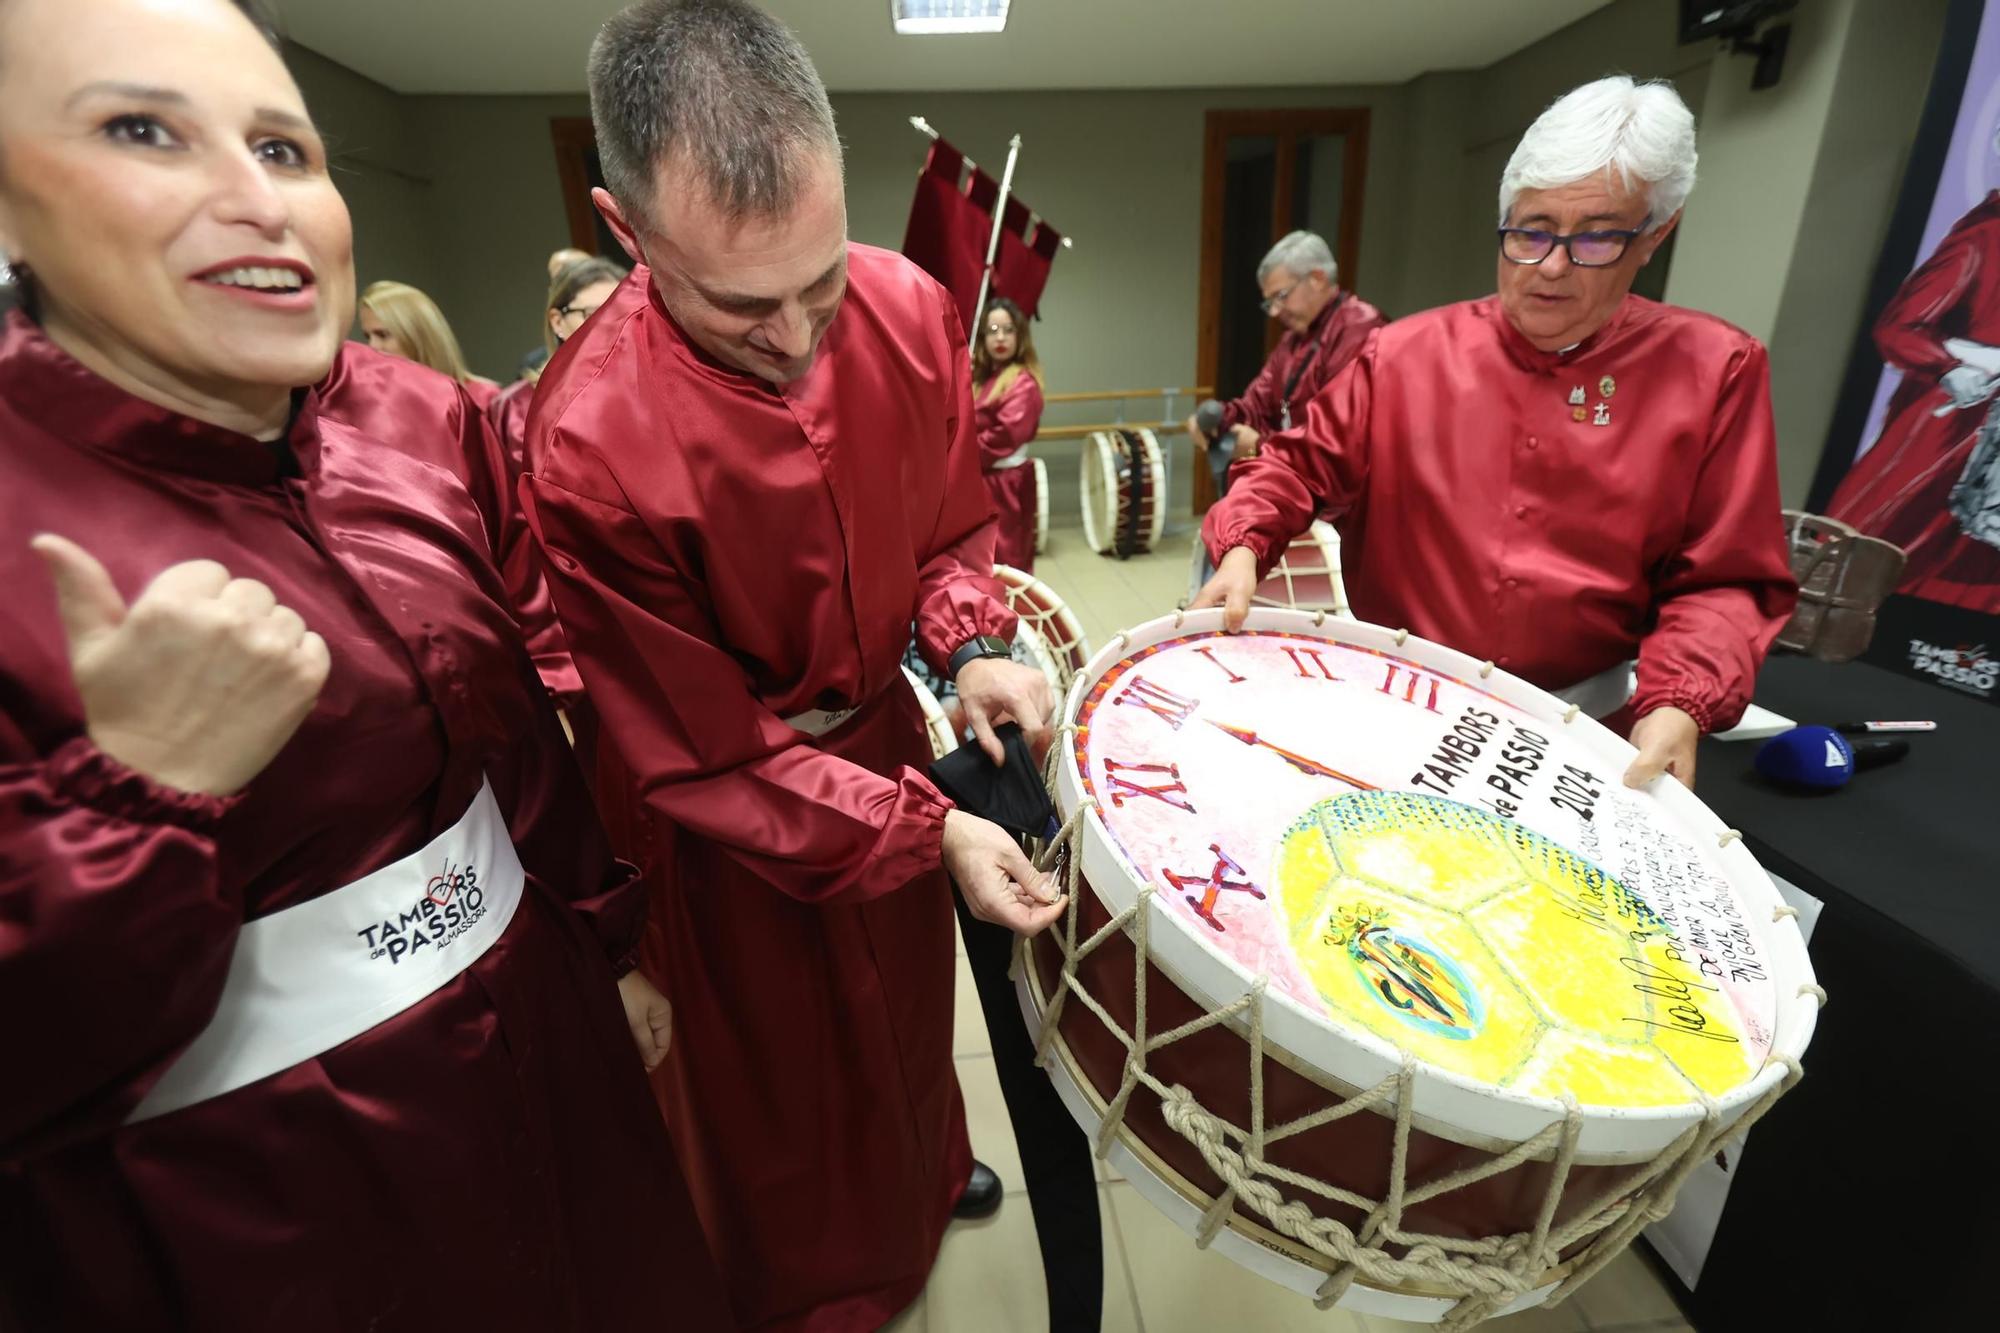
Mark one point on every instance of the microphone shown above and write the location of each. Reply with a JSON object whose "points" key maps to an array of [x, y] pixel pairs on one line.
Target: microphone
{"points": [[1821, 759]]}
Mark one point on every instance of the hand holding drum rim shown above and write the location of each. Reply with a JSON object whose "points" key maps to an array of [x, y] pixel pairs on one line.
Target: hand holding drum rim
{"points": [[994, 690], [196, 685], [1235, 579], [1666, 740], [1000, 883]]}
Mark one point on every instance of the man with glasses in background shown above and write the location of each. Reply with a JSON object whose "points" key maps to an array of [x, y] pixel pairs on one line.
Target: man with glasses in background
{"points": [[1575, 483], [1324, 328]]}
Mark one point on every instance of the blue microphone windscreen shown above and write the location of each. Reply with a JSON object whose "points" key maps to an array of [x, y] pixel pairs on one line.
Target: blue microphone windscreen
{"points": [[1817, 757]]}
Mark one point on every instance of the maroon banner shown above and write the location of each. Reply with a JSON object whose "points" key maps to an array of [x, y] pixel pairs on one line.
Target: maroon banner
{"points": [[951, 223]]}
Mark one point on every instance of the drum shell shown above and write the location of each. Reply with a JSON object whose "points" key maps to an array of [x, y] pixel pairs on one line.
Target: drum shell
{"points": [[1109, 524], [1354, 1153]]}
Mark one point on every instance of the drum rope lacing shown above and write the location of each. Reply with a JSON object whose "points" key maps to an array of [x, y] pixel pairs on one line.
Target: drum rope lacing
{"points": [[1486, 1274]]}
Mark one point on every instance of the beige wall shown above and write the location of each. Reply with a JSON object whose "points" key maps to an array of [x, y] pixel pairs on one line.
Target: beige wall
{"points": [[459, 194], [497, 212], [1121, 172], [381, 165], [1870, 124]]}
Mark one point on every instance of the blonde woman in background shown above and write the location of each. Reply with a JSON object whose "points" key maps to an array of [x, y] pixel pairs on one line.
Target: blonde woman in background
{"points": [[402, 321]]}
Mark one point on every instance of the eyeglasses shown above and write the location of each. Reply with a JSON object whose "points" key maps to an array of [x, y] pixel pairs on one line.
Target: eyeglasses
{"points": [[1587, 249], [1269, 305], [580, 311], [1006, 329]]}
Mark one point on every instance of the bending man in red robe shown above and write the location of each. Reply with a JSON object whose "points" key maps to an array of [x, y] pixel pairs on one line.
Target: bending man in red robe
{"points": [[1561, 478], [753, 469]]}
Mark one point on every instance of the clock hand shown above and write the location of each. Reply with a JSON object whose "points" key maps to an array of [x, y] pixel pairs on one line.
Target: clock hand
{"points": [[1298, 761]]}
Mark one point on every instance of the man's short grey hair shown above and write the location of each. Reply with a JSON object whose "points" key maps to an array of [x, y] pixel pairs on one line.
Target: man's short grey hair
{"points": [[1299, 254], [718, 80], [1642, 132]]}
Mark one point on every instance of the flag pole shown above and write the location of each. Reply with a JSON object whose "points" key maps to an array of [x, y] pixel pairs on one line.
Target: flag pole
{"points": [[993, 241]]}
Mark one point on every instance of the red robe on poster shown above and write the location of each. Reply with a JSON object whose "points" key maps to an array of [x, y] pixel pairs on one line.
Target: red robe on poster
{"points": [[1555, 513], [1006, 422], [726, 554], [1897, 490], [424, 414], [1303, 363], [486, 1158]]}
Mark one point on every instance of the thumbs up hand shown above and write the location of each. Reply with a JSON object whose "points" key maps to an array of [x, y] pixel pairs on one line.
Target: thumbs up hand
{"points": [[199, 683]]}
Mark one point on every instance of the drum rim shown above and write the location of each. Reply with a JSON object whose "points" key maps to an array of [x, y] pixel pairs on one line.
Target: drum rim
{"points": [[1071, 658], [937, 724], [1100, 481], [1325, 536], [1156, 465], [1451, 1104], [1041, 504]]}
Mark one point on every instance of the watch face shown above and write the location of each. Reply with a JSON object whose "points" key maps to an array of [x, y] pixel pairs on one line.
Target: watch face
{"points": [[1402, 852]]}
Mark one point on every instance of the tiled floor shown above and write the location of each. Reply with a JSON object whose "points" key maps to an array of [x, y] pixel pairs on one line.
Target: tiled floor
{"points": [[989, 1276]]}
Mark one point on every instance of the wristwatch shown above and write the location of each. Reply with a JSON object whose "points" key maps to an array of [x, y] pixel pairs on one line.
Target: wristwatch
{"points": [[984, 645]]}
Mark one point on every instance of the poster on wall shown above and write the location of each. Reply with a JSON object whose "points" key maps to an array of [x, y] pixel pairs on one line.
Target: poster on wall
{"points": [[1914, 453]]}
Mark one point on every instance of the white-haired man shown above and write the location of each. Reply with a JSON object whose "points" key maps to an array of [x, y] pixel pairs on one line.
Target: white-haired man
{"points": [[1324, 329], [1561, 478]]}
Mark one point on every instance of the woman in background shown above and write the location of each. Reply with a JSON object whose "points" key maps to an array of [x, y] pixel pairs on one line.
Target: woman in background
{"points": [[319, 932], [574, 295], [402, 321], [1007, 402]]}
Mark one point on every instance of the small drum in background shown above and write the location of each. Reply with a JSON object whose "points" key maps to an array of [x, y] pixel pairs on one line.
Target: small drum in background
{"points": [[1041, 504], [1396, 994], [1058, 644], [1124, 492], [943, 738], [1306, 577]]}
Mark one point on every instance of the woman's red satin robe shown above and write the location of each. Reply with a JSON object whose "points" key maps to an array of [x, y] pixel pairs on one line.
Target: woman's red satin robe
{"points": [[1006, 422], [380, 396], [487, 1158], [725, 554]]}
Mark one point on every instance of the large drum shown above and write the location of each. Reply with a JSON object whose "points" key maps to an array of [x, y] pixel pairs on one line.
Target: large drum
{"points": [[1306, 577], [1377, 978], [1041, 504], [1050, 636], [1124, 492]]}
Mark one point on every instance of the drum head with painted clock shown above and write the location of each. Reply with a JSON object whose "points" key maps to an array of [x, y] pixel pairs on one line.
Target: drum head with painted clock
{"points": [[1403, 853]]}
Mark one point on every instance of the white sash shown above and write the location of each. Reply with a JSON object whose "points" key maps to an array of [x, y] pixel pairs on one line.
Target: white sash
{"points": [[820, 721], [1604, 693], [306, 979], [1015, 459]]}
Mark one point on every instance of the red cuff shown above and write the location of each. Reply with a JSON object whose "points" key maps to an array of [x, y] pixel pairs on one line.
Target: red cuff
{"points": [[1703, 711], [82, 773]]}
